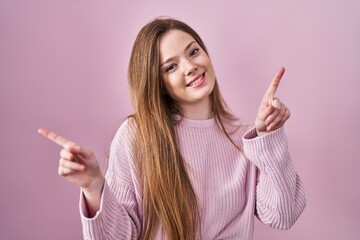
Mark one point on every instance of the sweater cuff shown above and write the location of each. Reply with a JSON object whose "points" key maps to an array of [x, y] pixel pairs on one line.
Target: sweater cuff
{"points": [[93, 226], [266, 150], [84, 211], [252, 139]]}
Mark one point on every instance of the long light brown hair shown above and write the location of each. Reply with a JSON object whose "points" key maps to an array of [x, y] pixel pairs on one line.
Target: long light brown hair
{"points": [[168, 196]]}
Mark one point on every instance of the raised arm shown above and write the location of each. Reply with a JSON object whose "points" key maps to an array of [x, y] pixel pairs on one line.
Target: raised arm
{"points": [[280, 197]]}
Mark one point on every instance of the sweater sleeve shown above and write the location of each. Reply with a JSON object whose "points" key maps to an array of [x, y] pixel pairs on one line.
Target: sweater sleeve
{"points": [[280, 196], [118, 216]]}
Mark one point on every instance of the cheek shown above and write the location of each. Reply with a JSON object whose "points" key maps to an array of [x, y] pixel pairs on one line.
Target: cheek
{"points": [[206, 62], [211, 68], [173, 83]]}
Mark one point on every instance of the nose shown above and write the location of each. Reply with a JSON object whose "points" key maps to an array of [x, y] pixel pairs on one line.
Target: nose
{"points": [[189, 67]]}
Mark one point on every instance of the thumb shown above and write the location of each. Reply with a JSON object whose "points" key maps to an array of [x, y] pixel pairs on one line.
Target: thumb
{"points": [[78, 150], [275, 103]]}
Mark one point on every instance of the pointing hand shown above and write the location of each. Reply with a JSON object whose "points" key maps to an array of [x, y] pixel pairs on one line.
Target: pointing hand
{"points": [[77, 164], [272, 113]]}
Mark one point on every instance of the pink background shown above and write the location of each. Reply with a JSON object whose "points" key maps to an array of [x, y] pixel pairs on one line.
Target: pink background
{"points": [[63, 66]]}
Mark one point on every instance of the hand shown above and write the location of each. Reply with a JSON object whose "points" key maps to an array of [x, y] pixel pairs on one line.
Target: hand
{"points": [[77, 164], [272, 113]]}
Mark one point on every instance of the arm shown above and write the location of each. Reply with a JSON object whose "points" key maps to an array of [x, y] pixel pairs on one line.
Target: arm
{"points": [[280, 197], [108, 204], [119, 216], [280, 194], [79, 166]]}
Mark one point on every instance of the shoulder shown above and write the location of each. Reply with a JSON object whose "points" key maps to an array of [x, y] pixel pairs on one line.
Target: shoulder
{"points": [[123, 147], [122, 158], [127, 126], [125, 135]]}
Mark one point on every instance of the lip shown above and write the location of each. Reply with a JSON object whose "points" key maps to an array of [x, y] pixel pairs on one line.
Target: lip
{"points": [[202, 76]]}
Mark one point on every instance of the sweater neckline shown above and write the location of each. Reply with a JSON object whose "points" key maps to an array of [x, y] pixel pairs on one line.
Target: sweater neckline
{"points": [[204, 123]]}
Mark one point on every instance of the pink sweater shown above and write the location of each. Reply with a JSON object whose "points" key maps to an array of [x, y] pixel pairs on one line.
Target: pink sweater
{"points": [[231, 189]]}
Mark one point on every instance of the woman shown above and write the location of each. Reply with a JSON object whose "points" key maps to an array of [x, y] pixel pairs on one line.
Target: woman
{"points": [[182, 167]]}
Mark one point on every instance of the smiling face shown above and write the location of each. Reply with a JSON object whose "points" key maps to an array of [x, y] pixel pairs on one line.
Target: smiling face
{"points": [[187, 72]]}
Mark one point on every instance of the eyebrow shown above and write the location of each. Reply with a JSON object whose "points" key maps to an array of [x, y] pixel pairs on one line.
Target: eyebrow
{"points": [[186, 48]]}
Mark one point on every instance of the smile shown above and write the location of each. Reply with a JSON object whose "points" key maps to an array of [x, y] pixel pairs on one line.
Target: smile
{"points": [[197, 81]]}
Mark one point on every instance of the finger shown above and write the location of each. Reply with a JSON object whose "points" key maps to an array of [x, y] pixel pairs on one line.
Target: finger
{"points": [[271, 117], [80, 151], [65, 143], [264, 114], [276, 105], [56, 138], [63, 171], [278, 121], [270, 92], [286, 117], [71, 164], [67, 155]]}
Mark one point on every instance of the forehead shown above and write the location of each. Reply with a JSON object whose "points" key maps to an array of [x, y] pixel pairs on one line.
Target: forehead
{"points": [[173, 43]]}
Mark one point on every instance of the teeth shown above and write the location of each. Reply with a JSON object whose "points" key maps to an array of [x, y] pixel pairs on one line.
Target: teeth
{"points": [[196, 81]]}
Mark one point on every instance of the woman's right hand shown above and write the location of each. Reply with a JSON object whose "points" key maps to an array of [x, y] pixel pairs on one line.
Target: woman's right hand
{"points": [[77, 164]]}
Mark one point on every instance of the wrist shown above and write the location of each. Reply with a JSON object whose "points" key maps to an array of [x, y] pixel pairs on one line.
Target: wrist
{"points": [[95, 187], [92, 195], [261, 133]]}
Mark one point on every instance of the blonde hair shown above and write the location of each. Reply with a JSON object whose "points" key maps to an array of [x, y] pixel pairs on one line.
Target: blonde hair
{"points": [[168, 196]]}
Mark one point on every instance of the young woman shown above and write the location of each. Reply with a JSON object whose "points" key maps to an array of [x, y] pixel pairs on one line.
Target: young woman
{"points": [[182, 167]]}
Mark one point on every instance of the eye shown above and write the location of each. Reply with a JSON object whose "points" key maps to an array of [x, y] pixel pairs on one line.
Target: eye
{"points": [[170, 67], [194, 51]]}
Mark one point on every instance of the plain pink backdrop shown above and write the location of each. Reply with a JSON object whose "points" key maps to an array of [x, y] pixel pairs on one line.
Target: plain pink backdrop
{"points": [[63, 66]]}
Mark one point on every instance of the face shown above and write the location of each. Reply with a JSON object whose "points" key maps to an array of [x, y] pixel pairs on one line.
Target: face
{"points": [[186, 69]]}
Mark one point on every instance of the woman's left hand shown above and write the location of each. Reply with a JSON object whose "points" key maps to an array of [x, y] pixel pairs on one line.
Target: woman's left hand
{"points": [[272, 113]]}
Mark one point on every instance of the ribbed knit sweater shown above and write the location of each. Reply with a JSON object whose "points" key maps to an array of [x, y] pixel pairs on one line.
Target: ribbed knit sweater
{"points": [[231, 188]]}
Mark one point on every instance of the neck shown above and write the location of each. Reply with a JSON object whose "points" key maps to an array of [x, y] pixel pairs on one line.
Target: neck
{"points": [[197, 111]]}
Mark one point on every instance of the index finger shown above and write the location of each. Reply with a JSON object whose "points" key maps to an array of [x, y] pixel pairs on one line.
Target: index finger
{"points": [[54, 137], [270, 92]]}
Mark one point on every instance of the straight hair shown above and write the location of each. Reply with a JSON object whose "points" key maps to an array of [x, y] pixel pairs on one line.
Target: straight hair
{"points": [[168, 196]]}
